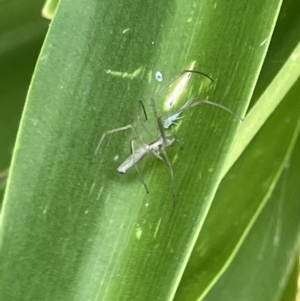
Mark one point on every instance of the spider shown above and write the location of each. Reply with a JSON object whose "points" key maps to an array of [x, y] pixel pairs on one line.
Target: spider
{"points": [[158, 145]]}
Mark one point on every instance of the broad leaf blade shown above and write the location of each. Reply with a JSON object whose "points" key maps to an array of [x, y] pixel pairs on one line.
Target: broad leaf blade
{"points": [[271, 247], [85, 231], [243, 212]]}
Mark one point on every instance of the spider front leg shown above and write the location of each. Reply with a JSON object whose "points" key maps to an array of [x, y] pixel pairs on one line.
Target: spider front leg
{"points": [[194, 104]]}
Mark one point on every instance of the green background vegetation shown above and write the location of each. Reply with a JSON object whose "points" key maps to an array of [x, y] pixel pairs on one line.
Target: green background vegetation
{"points": [[72, 228]]}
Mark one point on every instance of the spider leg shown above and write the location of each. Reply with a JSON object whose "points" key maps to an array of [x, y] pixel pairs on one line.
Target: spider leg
{"points": [[157, 155], [167, 160], [196, 103], [123, 128], [169, 83], [134, 162], [159, 126]]}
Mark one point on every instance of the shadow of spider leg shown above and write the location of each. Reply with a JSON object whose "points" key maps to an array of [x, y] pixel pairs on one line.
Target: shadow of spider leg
{"points": [[142, 122]]}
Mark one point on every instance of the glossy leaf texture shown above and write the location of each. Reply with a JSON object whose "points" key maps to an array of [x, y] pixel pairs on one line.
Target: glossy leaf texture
{"points": [[72, 228]]}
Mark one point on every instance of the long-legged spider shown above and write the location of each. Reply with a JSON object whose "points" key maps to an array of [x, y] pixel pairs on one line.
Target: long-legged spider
{"points": [[157, 146]]}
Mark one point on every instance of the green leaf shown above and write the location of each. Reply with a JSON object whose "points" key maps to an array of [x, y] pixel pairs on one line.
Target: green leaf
{"points": [[71, 227], [234, 205], [261, 218], [271, 248], [50, 8], [268, 102], [290, 291]]}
